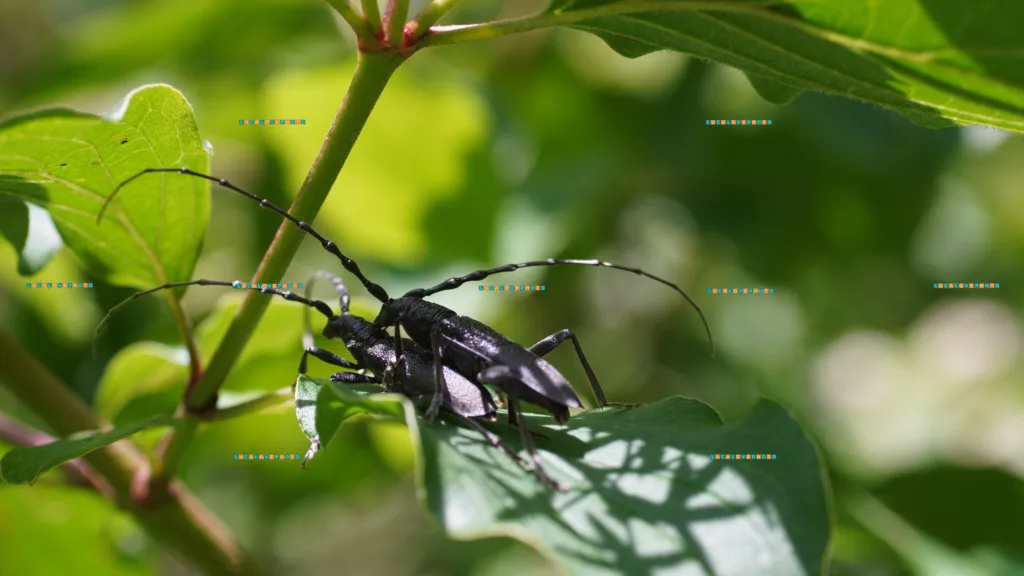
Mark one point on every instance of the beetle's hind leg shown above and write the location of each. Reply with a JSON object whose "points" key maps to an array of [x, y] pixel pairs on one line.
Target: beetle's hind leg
{"points": [[538, 468], [548, 344], [492, 439]]}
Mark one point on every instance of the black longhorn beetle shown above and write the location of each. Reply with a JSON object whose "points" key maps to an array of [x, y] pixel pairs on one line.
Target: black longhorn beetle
{"points": [[373, 349], [411, 374], [474, 349]]}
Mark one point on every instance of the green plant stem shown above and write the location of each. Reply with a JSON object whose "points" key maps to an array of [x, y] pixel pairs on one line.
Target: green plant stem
{"points": [[184, 326], [182, 523], [372, 14], [174, 444], [397, 12], [168, 455], [465, 33], [429, 16], [175, 441], [354, 20], [371, 76]]}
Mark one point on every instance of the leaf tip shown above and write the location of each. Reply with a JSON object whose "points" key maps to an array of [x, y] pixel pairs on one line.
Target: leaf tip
{"points": [[772, 91], [118, 113]]}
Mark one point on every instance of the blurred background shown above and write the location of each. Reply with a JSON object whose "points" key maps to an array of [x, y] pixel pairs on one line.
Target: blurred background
{"points": [[547, 145]]}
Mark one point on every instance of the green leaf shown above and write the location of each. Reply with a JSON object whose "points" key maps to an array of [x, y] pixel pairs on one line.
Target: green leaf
{"points": [[645, 495], [773, 91], [69, 163], [322, 406], [25, 465], [143, 379], [306, 392], [30, 230], [93, 536], [69, 316], [937, 62], [147, 378], [270, 359], [922, 553]]}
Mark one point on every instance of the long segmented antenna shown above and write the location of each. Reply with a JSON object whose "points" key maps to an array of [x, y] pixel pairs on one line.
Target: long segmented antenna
{"points": [[322, 307], [339, 286], [455, 282], [374, 289]]}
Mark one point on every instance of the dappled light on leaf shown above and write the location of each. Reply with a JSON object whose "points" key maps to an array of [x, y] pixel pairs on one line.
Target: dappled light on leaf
{"points": [[644, 493]]}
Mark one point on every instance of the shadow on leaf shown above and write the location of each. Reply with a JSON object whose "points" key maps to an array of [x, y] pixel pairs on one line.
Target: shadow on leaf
{"points": [[645, 494]]}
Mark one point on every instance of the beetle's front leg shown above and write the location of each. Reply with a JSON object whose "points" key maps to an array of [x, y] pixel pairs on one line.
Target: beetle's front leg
{"points": [[328, 357], [391, 371], [438, 398]]}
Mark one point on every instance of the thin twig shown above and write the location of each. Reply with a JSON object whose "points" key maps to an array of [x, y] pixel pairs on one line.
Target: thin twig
{"points": [[181, 523], [394, 19], [372, 14], [429, 16], [355, 21]]}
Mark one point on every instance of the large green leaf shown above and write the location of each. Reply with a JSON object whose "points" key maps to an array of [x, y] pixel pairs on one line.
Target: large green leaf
{"points": [[938, 62], [923, 554], [320, 411], [69, 163], [92, 536], [25, 465], [645, 494], [143, 379], [147, 378], [31, 232]]}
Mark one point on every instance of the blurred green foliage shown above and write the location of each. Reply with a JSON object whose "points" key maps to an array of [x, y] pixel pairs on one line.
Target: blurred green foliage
{"points": [[550, 145]]}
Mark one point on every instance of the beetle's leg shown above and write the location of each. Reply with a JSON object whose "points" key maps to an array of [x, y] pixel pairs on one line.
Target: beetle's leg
{"points": [[511, 415], [551, 342], [326, 356], [438, 398], [538, 469], [314, 447], [494, 375], [499, 399], [354, 378], [399, 345], [492, 438]]}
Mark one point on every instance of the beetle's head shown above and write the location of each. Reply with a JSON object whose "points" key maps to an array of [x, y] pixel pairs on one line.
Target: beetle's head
{"points": [[357, 333], [339, 327]]}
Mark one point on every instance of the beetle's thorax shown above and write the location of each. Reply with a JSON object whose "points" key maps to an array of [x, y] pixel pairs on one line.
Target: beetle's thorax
{"points": [[417, 316]]}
